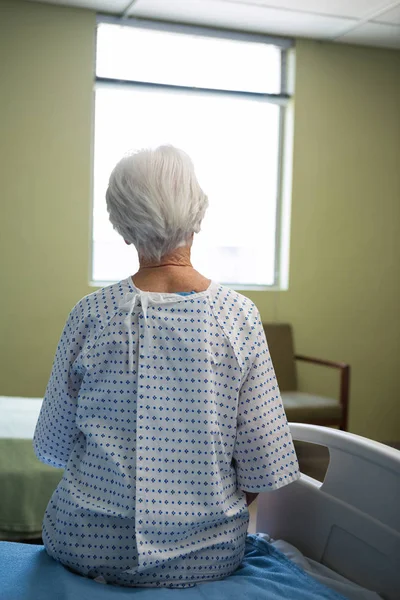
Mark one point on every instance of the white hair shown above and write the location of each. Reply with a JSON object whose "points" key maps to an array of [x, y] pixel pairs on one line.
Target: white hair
{"points": [[154, 200]]}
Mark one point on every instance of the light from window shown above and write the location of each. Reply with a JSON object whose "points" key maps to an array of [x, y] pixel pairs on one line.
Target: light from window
{"points": [[233, 139]]}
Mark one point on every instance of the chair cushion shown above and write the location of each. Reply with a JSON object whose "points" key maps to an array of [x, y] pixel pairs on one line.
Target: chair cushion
{"points": [[306, 408]]}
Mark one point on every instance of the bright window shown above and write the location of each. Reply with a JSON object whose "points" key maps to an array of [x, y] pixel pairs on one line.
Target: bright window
{"points": [[223, 102]]}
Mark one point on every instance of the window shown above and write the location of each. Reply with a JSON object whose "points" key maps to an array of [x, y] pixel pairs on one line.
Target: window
{"points": [[221, 98]]}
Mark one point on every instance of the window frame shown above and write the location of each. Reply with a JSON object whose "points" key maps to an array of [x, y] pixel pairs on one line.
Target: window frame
{"points": [[282, 99]]}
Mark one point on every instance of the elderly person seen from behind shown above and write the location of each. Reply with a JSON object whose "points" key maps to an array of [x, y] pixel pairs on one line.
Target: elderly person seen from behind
{"points": [[162, 405]]}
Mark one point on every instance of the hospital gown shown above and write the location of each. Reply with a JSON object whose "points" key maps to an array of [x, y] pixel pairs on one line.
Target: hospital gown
{"points": [[162, 409]]}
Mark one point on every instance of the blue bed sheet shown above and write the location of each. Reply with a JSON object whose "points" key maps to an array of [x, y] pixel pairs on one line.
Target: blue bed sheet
{"points": [[28, 573]]}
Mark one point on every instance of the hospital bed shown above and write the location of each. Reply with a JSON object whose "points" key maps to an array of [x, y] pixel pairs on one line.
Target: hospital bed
{"points": [[25, 483], [348, 525], [351, 521]]}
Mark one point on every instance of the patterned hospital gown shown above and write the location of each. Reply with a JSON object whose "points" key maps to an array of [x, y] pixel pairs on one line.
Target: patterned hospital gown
{"points": [[162, 408]]}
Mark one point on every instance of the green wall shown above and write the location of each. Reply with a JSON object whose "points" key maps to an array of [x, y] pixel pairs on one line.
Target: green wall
{"points": [[46, 58], [344, 284], [344, 293]]}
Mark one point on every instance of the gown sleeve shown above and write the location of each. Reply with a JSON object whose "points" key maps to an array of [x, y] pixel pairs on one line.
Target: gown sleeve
{"points": [[56, 431], [264, 454]]}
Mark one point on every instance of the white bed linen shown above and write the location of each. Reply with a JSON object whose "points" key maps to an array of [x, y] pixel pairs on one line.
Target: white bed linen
{"points": [[19, 416]]}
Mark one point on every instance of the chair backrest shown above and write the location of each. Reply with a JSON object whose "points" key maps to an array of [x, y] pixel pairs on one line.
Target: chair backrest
{"points": [[281, 347]]}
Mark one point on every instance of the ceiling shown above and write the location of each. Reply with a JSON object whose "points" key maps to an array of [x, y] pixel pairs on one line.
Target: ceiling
{"points": [[365, 22]]}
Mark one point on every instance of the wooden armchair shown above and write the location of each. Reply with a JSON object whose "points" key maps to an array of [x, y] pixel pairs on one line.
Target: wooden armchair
{"points": [[304, 407]]}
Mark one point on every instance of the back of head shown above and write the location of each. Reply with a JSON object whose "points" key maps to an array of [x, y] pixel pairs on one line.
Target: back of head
{"points": [[155, 201]]}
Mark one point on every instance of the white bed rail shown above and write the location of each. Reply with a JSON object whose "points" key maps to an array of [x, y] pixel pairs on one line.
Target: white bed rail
{"points": [[350, 522]]}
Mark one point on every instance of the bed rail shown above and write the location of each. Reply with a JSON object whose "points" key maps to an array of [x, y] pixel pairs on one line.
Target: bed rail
{"points": [[351, 521]]}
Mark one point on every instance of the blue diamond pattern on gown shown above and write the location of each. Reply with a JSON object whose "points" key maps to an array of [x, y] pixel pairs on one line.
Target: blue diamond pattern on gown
{"points": [[163, 409]]}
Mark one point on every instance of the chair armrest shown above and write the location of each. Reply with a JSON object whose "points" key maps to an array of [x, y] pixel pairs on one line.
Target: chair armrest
{"points": [[320, 361], [344, 382]]}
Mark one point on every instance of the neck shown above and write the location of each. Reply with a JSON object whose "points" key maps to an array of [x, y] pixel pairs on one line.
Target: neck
{"points": [[173, 273], [180, 257]]}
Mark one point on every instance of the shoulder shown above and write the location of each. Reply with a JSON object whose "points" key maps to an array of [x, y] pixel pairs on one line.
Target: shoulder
{"points": [[234, 307], [103, 302], [240, 321], [92, 313]]}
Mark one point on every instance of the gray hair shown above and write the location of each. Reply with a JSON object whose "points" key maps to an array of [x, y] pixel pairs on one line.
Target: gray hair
{"points": [[154, 200]]}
